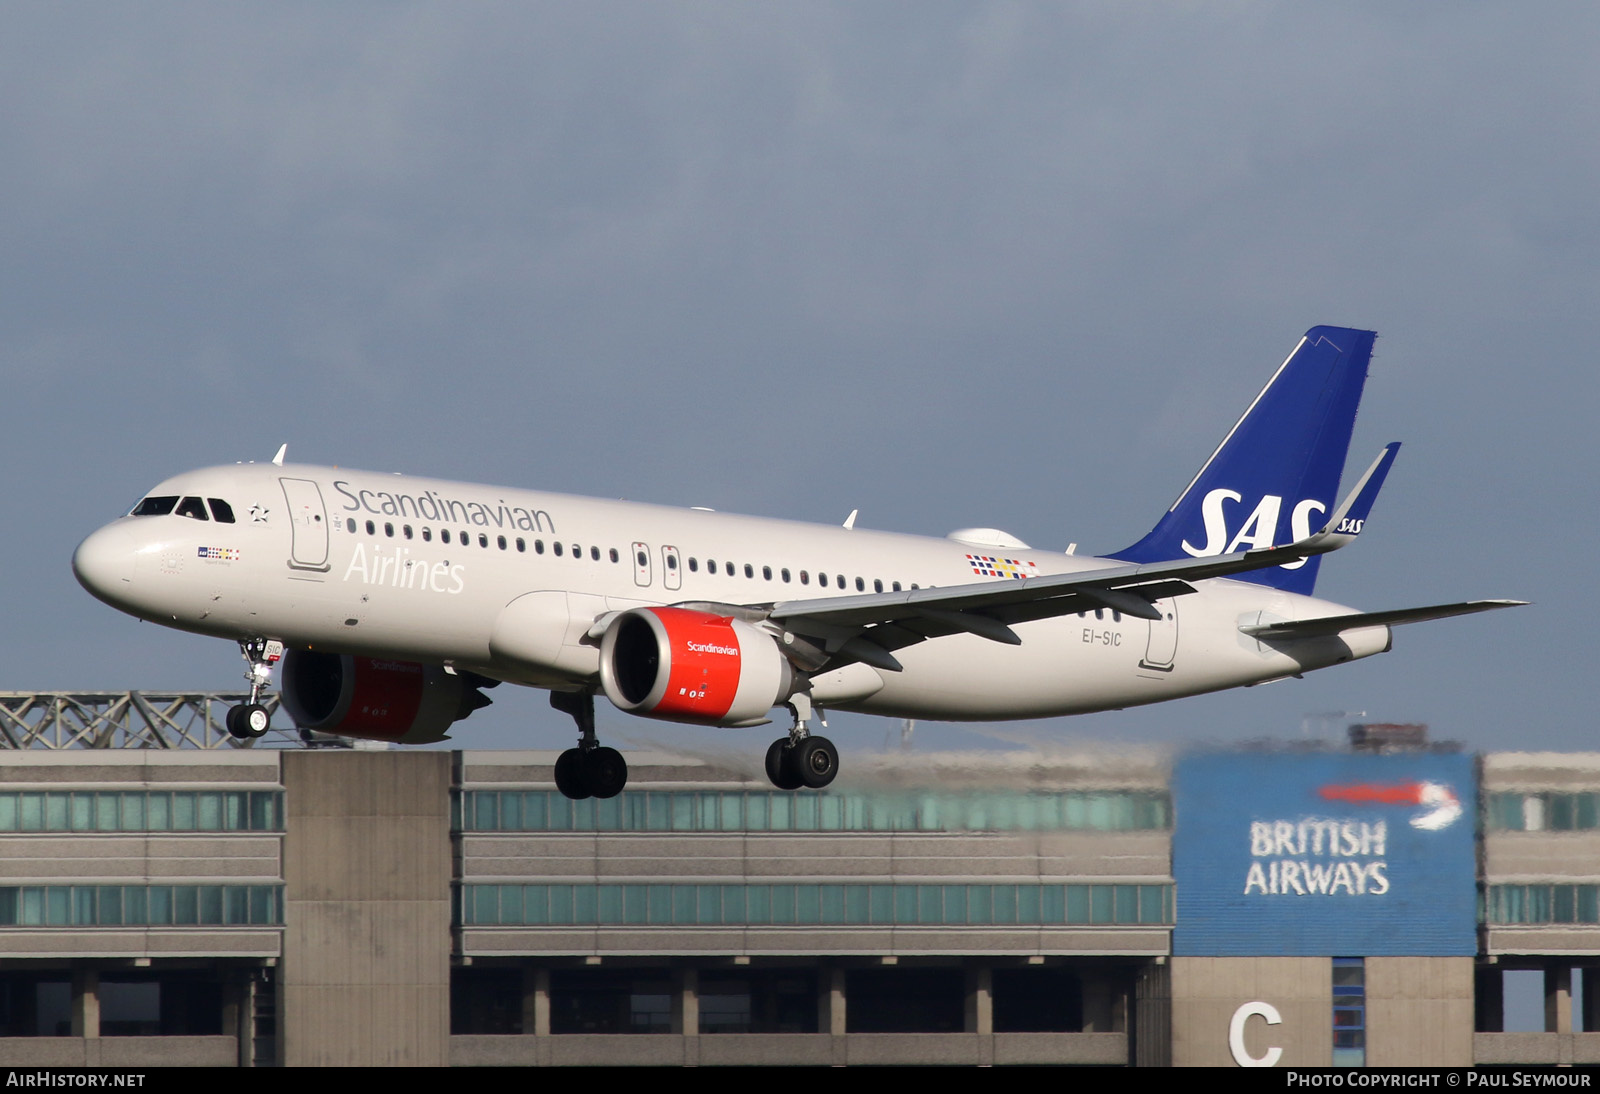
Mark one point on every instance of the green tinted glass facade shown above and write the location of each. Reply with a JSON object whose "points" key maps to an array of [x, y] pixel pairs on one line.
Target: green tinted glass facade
{"points": [[814, 904], [771, 811], [1507, 905], [1551, 811], [142, 811], [140, 905]]}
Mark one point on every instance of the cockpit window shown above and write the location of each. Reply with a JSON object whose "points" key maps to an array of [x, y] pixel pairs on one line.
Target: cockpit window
{"points": [[192, 507], [221, 511], [155, 507]]}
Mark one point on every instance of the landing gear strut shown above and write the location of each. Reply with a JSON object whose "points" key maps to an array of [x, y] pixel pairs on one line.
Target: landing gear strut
{"points": [[251, 720], [801, 759], [591, 770]]}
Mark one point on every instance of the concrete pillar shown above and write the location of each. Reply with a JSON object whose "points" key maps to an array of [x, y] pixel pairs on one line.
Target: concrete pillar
{"points": [[980, 1000], [830, 1001], [85, 1003], [1151, 1028], [239, 1013], [536, 1002], [365, 979], [1558, 999], [686, 1001]]}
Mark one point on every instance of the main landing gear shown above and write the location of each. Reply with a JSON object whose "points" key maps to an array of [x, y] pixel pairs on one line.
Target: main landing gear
{"points": [[591, 770], [250, 720], [801, 759]]}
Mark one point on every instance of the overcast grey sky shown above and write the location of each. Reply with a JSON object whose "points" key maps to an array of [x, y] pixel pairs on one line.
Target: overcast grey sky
{"points": [[950, 264]]}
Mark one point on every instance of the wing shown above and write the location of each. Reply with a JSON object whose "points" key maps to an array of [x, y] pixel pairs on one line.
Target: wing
{"points": [[870, 627]]}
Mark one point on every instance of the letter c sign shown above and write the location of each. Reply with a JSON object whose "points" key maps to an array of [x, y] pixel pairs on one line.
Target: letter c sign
{"points": [[1241, 1055]]}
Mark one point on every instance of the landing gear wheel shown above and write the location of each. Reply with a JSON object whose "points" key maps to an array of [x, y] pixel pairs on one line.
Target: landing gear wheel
{"points": [[591, 770], [569, 775], [254, 719], [815, 761], [781, 769], [248, 721], [605, 772]]}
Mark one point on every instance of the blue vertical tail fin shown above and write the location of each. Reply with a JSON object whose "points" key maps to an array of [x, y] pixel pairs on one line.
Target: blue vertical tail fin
{"points": [[1275, 476]]}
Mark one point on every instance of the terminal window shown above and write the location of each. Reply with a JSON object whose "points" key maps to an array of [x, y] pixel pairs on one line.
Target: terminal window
{"points": [[767, 811], [806, 904], [1551, 811]]}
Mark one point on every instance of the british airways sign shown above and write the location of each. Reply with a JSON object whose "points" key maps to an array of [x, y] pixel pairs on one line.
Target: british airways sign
{"points": [[1324, 854]]}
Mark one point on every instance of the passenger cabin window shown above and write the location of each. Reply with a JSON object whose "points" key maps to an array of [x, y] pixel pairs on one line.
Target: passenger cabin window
{"points": [[192, 507], [614, 556], [155, 507], [221, 511]]}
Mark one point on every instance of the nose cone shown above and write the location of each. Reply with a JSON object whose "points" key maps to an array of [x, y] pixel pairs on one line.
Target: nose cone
{"points": [[103, 564]]}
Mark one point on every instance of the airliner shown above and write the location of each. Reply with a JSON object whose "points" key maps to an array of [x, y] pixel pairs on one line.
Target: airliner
{"points": [[391, 602]]}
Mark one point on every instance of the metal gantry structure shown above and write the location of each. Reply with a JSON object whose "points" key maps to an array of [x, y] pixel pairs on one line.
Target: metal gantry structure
{"points": [[128, 719]]}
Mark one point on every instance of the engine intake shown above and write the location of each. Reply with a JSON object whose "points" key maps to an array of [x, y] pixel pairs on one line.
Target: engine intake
{"points": [[683, 665], [375, 698]]}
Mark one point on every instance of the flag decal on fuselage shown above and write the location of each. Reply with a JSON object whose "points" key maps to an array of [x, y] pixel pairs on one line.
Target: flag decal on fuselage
{"points": [[989, 566]]}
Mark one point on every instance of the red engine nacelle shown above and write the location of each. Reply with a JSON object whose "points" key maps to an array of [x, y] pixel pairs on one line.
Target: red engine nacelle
{"points": [[375, 698], [692, 666]]}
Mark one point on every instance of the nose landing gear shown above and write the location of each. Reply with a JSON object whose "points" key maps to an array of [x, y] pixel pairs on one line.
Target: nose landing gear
{"points": [[591, 770], [251, 720], [801, 759]]}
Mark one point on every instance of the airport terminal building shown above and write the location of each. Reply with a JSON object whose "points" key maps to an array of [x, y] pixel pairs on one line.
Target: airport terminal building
{"points": [[1274, 905]]}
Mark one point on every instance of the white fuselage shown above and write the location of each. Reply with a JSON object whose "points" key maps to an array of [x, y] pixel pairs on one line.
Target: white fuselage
{"points": [[508, 583]]}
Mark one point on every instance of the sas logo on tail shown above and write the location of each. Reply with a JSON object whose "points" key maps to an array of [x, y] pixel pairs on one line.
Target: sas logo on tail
{"points": [[1260, 528]]}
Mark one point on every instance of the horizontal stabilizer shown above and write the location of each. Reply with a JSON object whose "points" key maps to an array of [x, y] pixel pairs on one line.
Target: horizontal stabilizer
{"points": [[1334, 624]]}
